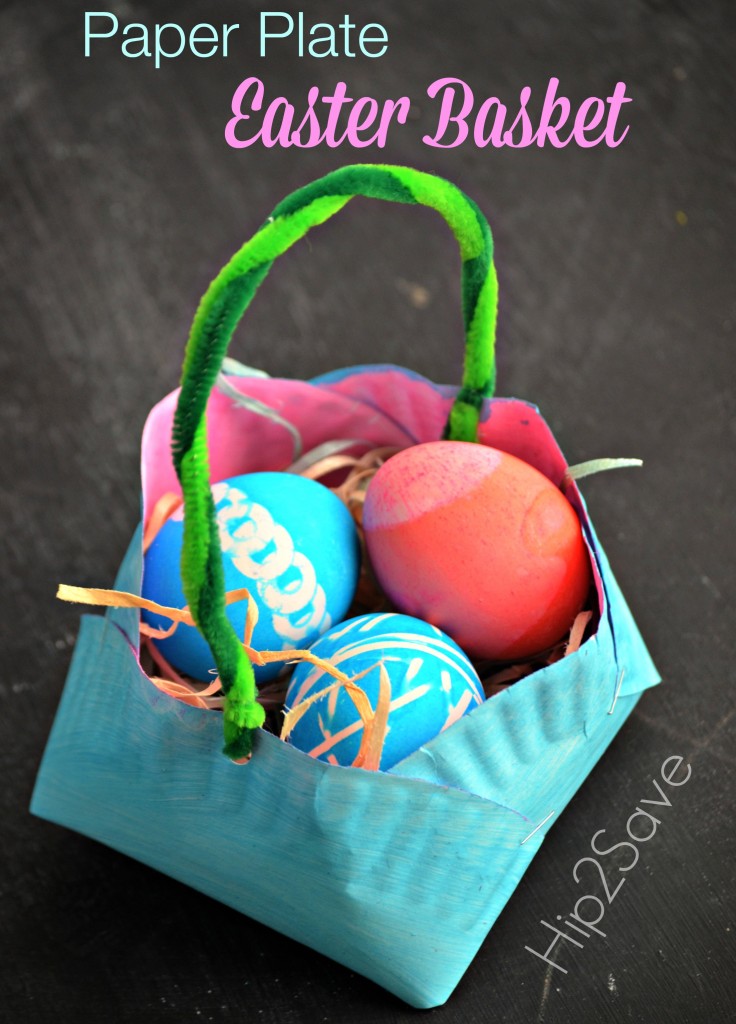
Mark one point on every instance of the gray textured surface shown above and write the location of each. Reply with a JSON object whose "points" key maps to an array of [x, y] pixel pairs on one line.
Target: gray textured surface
{"points": [[118, 202]]}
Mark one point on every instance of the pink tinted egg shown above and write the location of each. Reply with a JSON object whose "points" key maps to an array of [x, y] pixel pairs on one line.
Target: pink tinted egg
{"points": [[479, 543]]}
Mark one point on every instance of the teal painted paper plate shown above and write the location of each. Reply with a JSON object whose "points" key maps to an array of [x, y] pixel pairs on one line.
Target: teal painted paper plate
{"points": [[446, 827]]}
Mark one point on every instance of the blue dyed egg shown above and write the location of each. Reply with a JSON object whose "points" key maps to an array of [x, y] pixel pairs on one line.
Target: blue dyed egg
{"points": [[433, 684], [289, 540]]}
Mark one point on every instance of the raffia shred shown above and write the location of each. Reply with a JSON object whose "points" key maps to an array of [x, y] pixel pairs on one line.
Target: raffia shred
{"points": [[374, 733], [166, 505], [593, 466], [577, 632], [174, 684], [358, 696]]}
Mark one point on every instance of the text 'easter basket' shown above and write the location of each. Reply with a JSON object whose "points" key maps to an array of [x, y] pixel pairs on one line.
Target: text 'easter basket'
{"points": [[424, 558]]}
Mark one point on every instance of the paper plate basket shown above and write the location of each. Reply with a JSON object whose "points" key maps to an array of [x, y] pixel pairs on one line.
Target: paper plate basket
{"points": [[399, 875]]}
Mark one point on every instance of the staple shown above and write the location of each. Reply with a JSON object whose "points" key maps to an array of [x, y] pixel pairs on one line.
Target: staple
{"points": [[537, 828], [618, 688]]}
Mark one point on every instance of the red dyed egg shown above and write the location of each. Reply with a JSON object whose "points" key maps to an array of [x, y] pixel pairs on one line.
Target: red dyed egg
{"points": [[479, 543]]}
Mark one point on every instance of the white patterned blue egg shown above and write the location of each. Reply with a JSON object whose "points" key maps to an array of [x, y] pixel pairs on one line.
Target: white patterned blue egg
{"points": [[289, 540], [433, 684]]}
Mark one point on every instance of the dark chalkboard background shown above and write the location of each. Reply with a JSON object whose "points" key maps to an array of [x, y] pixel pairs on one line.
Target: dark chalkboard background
{"points": [[119, 200]]}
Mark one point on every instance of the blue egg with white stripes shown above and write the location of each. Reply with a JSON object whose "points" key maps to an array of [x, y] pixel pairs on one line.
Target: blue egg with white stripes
{"points": [[289, 541], [432, 685]]}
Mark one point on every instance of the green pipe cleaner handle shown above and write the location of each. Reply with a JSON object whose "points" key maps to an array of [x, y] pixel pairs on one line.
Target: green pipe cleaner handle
{"points": [[218, 314]]}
